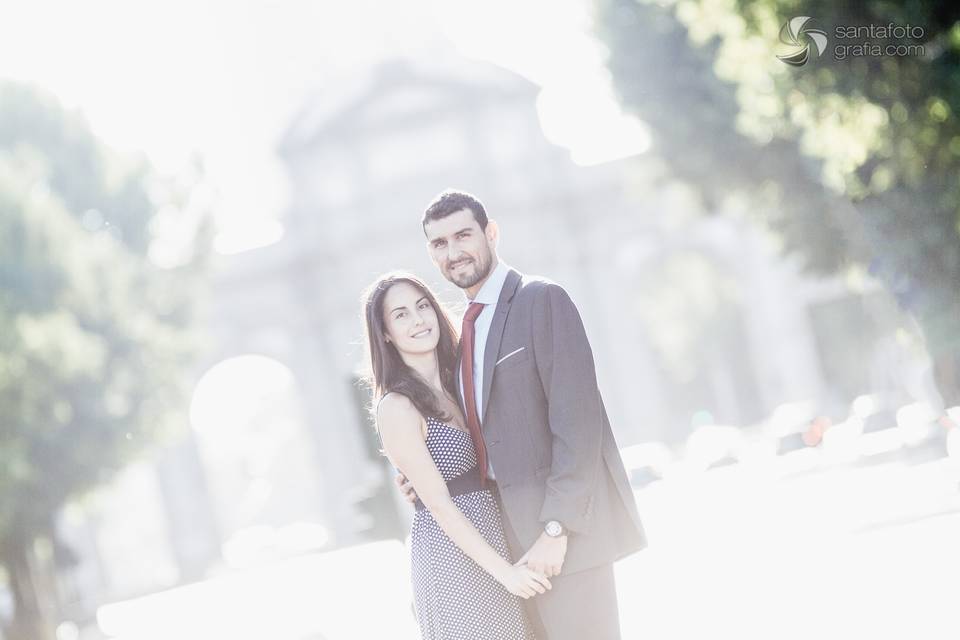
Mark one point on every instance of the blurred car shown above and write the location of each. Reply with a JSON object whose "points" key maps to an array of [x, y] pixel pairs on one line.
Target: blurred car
{"points": [[878, 427], [647, 462], [794, 426], [712, 446]]}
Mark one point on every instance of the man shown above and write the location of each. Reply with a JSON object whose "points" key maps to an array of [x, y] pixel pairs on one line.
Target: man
{"points": [[528, 384]]}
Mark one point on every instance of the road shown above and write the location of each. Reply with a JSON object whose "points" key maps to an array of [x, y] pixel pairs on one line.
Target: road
{"points": [[843, 552], [745, 551]]}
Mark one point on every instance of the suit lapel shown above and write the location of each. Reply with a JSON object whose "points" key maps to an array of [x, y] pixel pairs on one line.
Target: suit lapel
{"points": [[495, 336]]}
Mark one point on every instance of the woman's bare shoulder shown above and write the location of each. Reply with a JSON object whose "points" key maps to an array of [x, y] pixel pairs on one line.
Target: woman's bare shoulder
{"points": [[396, 411]]}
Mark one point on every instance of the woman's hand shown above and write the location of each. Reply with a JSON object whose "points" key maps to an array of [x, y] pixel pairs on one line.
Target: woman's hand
{"points": [[521, 580], [405, 488]]}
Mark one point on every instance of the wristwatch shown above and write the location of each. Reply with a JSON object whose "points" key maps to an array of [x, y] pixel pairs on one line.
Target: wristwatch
{"points": [[554, 529]]}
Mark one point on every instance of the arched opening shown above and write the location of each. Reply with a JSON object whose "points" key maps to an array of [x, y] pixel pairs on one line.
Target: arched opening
{"points": [[258, 457]]}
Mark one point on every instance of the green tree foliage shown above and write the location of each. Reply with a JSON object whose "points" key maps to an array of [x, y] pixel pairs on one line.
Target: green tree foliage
{"points": [[854, 159], [93, 337]]}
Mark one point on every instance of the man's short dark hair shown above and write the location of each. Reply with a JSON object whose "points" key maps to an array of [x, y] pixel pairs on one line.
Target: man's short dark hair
{"points": [[450, 201]]}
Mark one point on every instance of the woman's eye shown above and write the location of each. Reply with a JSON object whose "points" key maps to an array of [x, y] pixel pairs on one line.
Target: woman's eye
{"points": [[425, 305], [400, 315]]}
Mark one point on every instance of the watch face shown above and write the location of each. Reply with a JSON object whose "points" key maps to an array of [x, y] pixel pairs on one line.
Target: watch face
{"points": [[554, 528]]}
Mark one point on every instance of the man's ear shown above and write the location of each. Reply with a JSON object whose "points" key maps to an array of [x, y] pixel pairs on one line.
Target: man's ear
{"points": [[492, 232]]}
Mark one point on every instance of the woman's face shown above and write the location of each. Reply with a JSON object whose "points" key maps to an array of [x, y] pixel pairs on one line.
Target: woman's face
{"points": [[410, 320]]}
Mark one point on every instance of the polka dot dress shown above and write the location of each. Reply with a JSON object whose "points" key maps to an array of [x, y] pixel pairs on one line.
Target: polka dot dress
{"points": [[454, 598]]}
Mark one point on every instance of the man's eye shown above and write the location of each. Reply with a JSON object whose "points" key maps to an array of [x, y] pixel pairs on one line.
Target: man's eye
{"points": [[439, 245]]}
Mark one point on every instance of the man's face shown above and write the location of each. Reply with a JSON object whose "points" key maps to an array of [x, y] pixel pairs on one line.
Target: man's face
{"points": [[462, 251]]}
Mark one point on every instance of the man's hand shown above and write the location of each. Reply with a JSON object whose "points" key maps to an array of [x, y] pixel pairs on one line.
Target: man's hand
{"points": [[406, 488], [546, 555]]}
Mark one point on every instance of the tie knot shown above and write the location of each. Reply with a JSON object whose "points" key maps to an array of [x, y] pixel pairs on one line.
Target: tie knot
{"points": [[473, 310]]}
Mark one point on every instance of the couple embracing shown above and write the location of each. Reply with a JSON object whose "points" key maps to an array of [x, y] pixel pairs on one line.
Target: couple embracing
{"points": [[502, 442]]}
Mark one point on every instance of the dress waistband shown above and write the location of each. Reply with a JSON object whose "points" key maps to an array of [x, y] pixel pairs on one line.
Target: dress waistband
{"points": [[466, 482]]}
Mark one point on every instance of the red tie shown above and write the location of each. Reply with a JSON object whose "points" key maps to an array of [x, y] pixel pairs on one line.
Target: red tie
{"points": [[469, 394]]}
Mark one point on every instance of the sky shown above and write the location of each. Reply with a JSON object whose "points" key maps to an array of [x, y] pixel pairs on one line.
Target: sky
{"points": [[219, 80]]}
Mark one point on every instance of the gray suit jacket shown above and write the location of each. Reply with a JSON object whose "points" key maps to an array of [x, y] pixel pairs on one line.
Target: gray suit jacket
{"points": [[546, 429]]}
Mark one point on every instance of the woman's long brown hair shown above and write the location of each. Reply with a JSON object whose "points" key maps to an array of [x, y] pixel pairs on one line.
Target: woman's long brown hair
{"points": [[388, 372]]}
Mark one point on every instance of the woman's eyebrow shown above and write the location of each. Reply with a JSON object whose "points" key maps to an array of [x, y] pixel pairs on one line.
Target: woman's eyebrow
{"points": [[405, 306]]}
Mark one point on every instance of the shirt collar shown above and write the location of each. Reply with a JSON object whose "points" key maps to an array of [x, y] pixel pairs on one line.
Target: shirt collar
{"points": [[490, 291]]}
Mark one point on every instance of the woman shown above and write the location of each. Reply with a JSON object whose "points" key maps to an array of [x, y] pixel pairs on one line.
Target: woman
{"points": [[464, 585]]}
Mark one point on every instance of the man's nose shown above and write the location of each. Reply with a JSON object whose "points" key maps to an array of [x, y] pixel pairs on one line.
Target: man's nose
{"points": [[454, 253]]}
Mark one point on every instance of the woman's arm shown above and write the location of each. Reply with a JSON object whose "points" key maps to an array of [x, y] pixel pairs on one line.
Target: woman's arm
{"points": [[400, 426]]}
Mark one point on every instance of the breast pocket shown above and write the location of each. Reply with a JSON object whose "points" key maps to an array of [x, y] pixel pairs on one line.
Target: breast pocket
{"points": [[512, 358]]}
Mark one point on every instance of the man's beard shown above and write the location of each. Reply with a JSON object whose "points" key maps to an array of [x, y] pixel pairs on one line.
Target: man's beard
{"points": [[467, 280]]}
